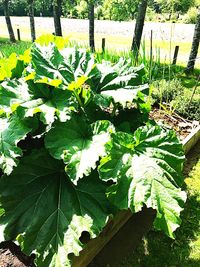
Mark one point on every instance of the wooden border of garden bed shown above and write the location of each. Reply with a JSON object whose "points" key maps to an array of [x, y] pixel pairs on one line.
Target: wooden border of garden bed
{"points": [[96, 245]]}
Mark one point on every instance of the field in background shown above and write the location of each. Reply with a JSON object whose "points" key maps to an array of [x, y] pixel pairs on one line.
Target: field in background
{"points": [[118, 35]]}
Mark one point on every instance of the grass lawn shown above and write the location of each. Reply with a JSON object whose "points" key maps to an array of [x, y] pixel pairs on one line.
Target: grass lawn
{"points": [[7, 48], [162, 47], [156, 249]]}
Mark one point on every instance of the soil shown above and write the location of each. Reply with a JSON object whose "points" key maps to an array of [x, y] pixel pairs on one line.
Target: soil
{"points": [[182, 126], [11, 256]]}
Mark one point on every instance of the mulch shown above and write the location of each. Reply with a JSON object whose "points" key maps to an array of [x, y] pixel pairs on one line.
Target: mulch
{"points": [[174, 121], [12, 256]]}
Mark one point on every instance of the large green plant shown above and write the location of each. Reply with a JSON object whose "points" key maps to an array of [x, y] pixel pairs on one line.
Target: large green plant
{"points": [[76, 146]]}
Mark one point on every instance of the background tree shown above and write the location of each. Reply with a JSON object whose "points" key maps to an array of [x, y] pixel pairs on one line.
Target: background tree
{"points": [[32, 21], [91, 24], [139, 26], [57, 10], [195, 45], [8, 20], [43, 7], [119, 9]]}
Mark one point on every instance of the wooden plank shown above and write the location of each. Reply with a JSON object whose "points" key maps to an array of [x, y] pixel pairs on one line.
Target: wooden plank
{"points": [[94, 246], [190, 141]]}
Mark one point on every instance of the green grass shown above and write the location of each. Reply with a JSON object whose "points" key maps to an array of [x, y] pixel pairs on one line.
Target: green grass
{"points": [[156, 249], [7, 48]]}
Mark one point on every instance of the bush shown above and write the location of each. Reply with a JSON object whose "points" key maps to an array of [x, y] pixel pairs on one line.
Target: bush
{"points": [[166, 91], [186, 108], [190, 16]]}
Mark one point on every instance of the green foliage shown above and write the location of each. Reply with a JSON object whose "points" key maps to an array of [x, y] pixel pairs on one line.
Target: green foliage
{"points": [[175, 5], [119, 9], [142, 168], [188, 106], [175, 94], [184, 251], [166, 91], [191, 16], [68, 125]]}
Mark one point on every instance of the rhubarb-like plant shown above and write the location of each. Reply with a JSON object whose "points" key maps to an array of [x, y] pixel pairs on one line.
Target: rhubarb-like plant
{"points": [[76, 146]]}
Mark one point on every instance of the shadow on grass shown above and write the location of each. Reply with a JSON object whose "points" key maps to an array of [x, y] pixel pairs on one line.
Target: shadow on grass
{"points": [[157, 250]]}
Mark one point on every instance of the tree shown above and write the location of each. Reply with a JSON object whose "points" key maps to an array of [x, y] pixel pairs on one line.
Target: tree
{"points": [[91, 24], [119, 10], [195, 46], [139, 25], [31, 16], [8, 20], [57, 10]]}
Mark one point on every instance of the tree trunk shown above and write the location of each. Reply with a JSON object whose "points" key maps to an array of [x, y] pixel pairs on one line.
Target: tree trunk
{"points": [[57, 10], [91, 24], [32, 22], [8, 21], [195, 46], [139, 25]]}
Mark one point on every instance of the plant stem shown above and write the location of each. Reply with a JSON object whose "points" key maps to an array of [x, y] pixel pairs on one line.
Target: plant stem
{"points": [[78, 98]]}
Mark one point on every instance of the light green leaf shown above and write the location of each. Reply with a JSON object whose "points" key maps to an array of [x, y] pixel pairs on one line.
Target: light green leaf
{"points": [[79, 145], [30, 99], [11, 67], [11, 132], [118, 76], [50, 64], [48, 213], [125, 95], [12, 94], [147, 165]]}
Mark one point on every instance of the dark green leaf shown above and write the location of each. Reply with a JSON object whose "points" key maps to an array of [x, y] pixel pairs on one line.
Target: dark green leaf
{"points": [[46, 212], [148, 166], [80, 145], [11, 132]]}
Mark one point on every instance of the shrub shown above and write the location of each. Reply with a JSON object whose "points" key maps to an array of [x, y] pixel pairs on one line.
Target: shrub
{"points": [[166, 91], [190, 16], [186, 108]]}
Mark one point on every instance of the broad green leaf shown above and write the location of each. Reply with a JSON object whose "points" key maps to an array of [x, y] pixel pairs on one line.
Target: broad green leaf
{"points": [[29, 99], [128, 120], [54, 67], [47, 213], [117, 76], [11, 67], [11, 132], [80, 145], [125, 95], [12, 94], [148, 166]]}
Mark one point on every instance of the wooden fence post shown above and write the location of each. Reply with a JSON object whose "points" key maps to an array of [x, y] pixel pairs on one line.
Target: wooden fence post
{"points": [[103, 44], [18, 35], [175, 54]]}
